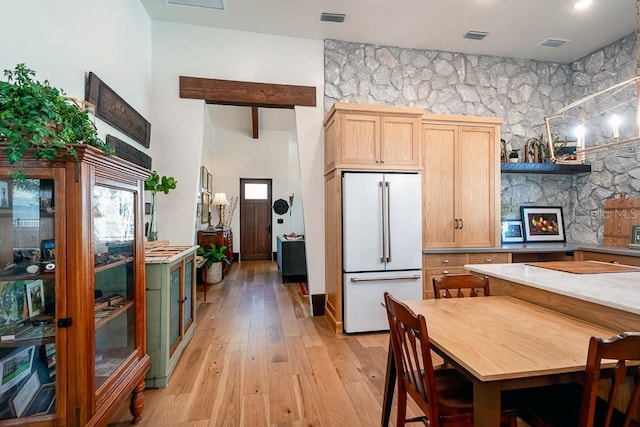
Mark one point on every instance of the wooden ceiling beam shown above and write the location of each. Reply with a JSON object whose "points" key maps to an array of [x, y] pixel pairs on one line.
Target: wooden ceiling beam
{"points": [[254, 122], [248, 94]]}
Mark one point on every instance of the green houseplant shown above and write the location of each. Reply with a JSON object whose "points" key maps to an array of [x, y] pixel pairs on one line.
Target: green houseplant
{"points": [[154, 183], [214, 257], [38, 118]]}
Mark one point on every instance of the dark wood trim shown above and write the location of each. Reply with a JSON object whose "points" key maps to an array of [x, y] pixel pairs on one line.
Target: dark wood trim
{"points": [[248, 94], [254, 122], [128, 152], [114, 110], [317, 304]]}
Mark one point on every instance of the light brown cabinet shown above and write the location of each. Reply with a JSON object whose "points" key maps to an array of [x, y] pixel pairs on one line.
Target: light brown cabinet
{"points": [[333, 249], [72, 252], [372, 137], [439, 265], [461, 181], [604, 257]]}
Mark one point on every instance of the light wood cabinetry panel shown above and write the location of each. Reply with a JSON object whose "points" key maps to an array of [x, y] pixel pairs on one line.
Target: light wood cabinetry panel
{"points": [[613, 258], [439, 265], [333, 250], [461, 181], [372, 137]]}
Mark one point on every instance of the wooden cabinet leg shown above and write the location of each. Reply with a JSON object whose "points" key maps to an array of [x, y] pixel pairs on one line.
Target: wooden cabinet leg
{"points": [[137, 403]]}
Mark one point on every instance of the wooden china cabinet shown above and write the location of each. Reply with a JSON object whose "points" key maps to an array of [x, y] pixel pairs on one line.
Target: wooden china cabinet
{"points": [[72, 282]]}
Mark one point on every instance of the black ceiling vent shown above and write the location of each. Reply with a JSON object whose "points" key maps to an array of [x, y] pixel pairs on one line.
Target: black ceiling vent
{"points": [[332, 17], [553, 42], [475, 35]]}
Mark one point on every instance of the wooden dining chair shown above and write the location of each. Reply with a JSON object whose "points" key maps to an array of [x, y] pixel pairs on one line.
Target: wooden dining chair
{"points": [[460, 283], [443, 394], [573, 405]]}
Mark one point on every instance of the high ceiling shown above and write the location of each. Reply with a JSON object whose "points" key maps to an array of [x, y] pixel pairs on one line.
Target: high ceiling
{"points": [[515, 27]]}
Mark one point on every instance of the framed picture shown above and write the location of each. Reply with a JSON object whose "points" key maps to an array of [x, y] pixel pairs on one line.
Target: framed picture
{"points": [[46, 195], [205, 208], [48, 249], [210, 183], [147, 208], [542, 223], [635, 237], [5, 194], [512, 231], [35, 298], [204, 180]]}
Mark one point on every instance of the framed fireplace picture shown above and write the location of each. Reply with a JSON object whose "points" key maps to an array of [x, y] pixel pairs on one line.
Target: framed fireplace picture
{"points": [[542, 223]]}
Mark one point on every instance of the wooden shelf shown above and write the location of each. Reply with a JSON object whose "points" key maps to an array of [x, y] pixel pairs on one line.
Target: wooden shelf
{"points": [[544, 168]]}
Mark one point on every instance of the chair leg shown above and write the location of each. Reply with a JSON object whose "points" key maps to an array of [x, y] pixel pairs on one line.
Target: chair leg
{"points": [[402, 408]]}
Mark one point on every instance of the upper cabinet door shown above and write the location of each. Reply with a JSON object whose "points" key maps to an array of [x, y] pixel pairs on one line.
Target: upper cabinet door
{"points": [[476, 196], [438, 186], [360, 142], [399, 141]]}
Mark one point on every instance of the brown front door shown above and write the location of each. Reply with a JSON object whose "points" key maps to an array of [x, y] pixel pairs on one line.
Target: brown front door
{"points": [[255, 219]]}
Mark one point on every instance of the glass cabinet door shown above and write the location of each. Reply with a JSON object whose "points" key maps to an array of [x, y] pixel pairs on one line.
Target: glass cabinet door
{"points": [[188, 293], [27, 299], [175, 297], [115, 310]]}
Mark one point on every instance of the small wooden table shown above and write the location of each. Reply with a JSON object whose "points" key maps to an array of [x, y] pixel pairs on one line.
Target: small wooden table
{"points": [[502, 343]]}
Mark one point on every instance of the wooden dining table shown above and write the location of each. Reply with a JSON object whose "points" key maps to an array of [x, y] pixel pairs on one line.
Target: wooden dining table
{"points": [[502, 343]]}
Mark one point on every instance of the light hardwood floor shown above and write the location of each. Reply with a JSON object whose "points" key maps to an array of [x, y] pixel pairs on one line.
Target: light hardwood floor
{"points": [[259, 359]]}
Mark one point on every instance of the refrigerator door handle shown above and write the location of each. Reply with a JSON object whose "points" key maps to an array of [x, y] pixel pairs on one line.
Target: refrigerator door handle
{"points": [[384, 222], [376, 279], [388, 227]]}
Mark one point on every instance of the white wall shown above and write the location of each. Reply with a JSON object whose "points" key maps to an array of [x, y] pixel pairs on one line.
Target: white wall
{"points": [[177, 124], [64, 39], [238, 155]]}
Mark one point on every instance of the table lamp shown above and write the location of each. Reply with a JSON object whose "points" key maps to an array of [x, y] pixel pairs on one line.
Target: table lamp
{"points": [[220, 200]]}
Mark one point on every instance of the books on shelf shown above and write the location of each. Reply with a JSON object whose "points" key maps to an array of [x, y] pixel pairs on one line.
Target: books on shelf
{"points": [[14, 331]]}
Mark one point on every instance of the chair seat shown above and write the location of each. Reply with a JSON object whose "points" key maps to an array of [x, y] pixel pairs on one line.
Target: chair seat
{"points": [[559, 406]]}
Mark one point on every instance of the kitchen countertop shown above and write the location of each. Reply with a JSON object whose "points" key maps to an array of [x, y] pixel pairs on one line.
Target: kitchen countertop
{"points": [[615, 290], [539, 247]]}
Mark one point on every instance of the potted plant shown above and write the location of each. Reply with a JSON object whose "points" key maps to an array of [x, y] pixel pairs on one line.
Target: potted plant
{"points": [[38, 118], [214, 256], [155, 184]]}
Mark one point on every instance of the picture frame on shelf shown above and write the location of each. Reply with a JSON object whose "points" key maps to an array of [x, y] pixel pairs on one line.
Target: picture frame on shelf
{"points": [[204, 181], [210, 182], [542, 223], [16, 367], [48, 249], [511, 231], [47, 202], [35, 297], [635, 237]]}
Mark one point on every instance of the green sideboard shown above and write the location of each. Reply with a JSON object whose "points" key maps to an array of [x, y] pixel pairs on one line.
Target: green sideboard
{"points": [[171, 308]]}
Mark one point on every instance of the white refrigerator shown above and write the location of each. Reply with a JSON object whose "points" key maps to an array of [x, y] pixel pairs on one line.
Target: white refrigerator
{"points": [[381, 246]]}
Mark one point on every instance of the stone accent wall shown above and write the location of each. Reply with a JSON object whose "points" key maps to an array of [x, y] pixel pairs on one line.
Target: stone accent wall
{"points": [[520, 91]]}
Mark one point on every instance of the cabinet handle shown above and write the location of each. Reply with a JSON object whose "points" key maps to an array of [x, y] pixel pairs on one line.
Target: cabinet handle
{"points": [[461, 224], [445, 261], [489, 260], [457, 225], [381, 161], [445, 272]]}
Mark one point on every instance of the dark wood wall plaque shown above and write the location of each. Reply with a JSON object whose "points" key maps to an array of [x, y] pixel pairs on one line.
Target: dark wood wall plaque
{"points": [[128, 152], [114, 110]]}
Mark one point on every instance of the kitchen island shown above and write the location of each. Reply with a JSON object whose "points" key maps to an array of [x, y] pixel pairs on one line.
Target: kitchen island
{"points": [[608, 299]]}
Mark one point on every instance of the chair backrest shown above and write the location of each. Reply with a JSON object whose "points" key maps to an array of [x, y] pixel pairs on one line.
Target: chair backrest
{"points": [[414, 366], [460, 283], [624, 348]]}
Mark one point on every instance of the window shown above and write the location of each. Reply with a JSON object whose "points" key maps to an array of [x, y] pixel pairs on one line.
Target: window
{"points": [[255, 191]]}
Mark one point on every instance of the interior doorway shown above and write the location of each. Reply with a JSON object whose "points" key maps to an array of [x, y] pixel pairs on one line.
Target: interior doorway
{"points": [[255, 219]]}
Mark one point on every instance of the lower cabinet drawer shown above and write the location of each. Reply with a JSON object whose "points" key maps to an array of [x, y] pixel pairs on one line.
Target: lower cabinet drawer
{"points": [[444, 260], [489, 258]]}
